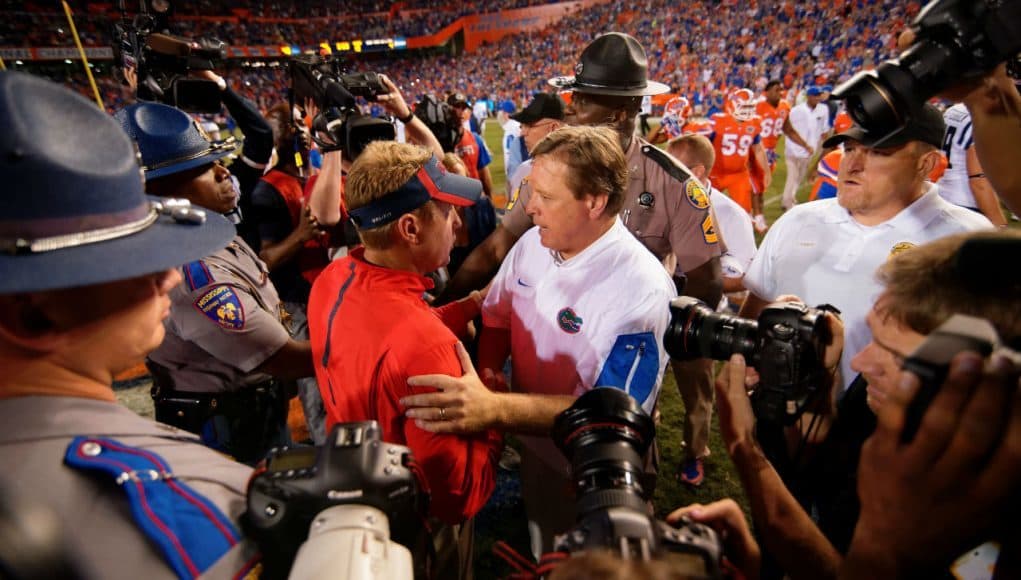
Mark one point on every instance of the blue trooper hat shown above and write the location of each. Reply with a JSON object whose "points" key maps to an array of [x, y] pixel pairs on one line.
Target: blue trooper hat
{"points": [[73, 210], [169, 140]]}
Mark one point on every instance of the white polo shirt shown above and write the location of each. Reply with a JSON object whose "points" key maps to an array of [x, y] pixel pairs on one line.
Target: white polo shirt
{"points": [[596, 319], [818, 252], [811, 124]]}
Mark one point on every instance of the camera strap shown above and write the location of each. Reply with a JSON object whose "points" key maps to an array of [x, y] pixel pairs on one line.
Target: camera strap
{"points": [[190, 531]]}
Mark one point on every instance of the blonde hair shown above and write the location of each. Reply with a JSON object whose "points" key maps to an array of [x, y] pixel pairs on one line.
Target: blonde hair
{"points": [[454, 164], [925, 286], [700, 146], [383, 167], [595, 161]]}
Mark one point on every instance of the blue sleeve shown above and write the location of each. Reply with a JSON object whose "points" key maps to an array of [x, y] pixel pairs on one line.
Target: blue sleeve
{"points": [[632, 366], [484, 157]]}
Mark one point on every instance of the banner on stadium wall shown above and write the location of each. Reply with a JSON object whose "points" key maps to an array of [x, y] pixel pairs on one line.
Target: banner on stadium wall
{"points": [[483, 28], [56, 53]]}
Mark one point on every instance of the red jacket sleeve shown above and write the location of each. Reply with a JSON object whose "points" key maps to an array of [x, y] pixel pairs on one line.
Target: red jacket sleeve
{"points": [[459, 469], [456, 316]]}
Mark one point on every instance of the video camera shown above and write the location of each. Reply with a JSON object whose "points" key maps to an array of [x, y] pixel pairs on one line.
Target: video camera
{"points": [[338, 504], [786, 346], [162, 62], [605, 434], [955, 40], [319, 79]]}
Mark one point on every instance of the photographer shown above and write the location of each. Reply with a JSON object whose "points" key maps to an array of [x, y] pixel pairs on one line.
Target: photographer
{"points": [[922, 288], [326, 189], [219, 371], [89, 265]]}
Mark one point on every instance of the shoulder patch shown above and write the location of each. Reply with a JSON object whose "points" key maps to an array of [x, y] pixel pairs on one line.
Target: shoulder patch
{"points": [[696, 194], [514, 196], [709, 229], [196, 275], [222, 305], [666, 161]]}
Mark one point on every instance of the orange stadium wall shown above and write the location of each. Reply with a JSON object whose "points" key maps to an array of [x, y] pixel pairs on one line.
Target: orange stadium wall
{"points": [[482, 28]]}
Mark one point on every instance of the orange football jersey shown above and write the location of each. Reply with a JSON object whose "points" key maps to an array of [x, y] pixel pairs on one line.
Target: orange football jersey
{"points": [[732, 140], [772, 122]]}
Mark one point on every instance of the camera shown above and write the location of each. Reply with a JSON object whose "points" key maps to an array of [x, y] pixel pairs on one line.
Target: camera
{"points": [[605, 435], [442, 120], [162, 62], [343, 498], [786, 346], [319, 79], [930, 361], [955, 40]]}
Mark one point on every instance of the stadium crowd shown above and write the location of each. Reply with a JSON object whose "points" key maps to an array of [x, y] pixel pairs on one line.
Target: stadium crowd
{"points": [[702, 51]]}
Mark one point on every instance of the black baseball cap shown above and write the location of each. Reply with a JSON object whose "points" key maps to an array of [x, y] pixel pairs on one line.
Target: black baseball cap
{"points": [[925, 124], [457, 100], [543, 106]]}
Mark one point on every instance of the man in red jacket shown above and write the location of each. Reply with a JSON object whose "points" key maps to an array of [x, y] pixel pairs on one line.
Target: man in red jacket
{"points": [[371, 329]]}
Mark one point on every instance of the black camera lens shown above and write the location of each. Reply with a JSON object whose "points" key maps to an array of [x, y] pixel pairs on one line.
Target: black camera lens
{"points": [[605, 434], [697, 331]]}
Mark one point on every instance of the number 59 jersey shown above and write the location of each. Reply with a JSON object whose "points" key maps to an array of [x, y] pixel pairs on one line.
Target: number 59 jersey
{"points": [[732, 140]]}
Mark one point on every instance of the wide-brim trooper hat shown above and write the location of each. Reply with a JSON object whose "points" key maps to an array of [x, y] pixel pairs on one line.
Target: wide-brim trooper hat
{"points": [[613, 64], [169, 139], [73, 210]]}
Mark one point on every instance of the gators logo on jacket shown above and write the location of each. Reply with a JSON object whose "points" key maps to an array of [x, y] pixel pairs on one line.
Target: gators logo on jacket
{"points": [[569, 321]]}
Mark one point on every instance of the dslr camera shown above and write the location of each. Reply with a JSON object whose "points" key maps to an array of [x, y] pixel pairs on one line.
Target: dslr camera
{"points": [[333, 508], [162, 62], [605, 435], [785, 345], [955, 40], [335, 94]]}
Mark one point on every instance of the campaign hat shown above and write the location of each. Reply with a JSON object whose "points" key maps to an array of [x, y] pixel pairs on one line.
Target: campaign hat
{"points": [[612, 64], [169, 139], [73, 211]]}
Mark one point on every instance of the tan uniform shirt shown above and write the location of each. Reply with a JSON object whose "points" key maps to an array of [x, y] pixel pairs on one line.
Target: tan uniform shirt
{"points": [[103, 539], [665, 208], [223, 322]]}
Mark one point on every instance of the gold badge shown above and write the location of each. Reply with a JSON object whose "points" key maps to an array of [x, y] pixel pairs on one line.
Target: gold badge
{"points": [[900, 248]]}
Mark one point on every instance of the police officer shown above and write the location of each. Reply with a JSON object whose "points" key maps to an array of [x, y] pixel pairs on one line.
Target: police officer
{"points": [[219, 371], [88, 261], [665, 207]]}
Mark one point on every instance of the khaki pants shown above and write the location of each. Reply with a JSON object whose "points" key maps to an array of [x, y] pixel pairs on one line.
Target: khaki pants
{"points": [[797, 167], [695, 384]]}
